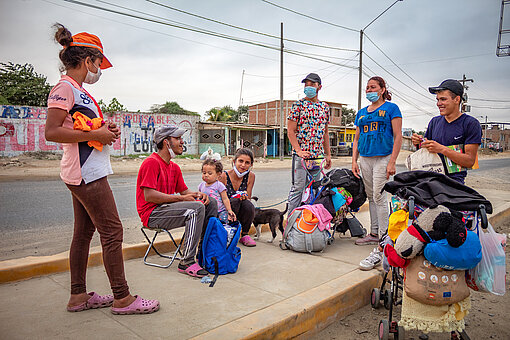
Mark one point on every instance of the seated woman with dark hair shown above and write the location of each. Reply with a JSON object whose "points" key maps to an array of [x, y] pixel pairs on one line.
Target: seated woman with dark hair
{"points": [[239, 182]]}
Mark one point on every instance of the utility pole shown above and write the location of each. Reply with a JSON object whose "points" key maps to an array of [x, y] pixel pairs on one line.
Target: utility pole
{"points": [[360, 86], [485, 134], [241, 93], [282, 140], [464, 107], [360, 69]]}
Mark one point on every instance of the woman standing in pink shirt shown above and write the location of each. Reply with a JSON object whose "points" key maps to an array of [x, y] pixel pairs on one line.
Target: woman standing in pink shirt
{"points": [[84, 169]]}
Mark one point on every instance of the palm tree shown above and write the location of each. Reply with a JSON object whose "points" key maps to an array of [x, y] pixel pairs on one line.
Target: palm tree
{"points": [[218, 114]]}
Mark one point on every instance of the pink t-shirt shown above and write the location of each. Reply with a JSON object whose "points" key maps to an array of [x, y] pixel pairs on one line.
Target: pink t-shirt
{"points": [[80, 161]]}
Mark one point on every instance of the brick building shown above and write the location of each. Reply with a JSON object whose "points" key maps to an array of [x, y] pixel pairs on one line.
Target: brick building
{"points": [[498, 137], [268, 115]]}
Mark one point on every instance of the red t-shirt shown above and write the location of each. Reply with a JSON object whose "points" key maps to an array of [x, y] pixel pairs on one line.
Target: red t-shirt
{"points": [[156, 174]]}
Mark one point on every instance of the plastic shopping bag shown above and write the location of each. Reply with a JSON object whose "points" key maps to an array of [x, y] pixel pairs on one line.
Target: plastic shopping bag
{"points": [[489, 275], [424, 160]]}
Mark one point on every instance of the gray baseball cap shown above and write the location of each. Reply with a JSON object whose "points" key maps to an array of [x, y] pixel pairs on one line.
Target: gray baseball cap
{"points": [[313, 77], [166, 131]]}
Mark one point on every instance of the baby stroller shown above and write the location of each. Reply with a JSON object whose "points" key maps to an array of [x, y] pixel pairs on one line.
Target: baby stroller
{"points": [[414, 192]]}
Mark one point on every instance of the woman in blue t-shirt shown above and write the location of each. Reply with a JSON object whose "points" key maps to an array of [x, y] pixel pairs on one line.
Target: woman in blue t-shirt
{"points": [[377, 143]]}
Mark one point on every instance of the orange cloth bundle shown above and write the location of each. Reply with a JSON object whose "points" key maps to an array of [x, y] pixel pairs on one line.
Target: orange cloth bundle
{"points": [[84, 123]]}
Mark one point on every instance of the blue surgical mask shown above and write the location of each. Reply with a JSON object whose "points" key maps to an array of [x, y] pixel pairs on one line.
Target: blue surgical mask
{"points": [[372, 96], [310, 91]]}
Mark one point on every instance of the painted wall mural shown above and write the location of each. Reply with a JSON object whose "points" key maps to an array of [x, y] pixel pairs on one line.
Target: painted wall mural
{"points": [[22, 130]]}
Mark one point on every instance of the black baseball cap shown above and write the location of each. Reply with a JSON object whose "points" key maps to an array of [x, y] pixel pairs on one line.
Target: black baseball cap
{"points": [[313, 77], [449, 84]]}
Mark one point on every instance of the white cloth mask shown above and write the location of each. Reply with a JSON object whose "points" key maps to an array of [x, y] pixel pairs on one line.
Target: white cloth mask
{"points": [[91, 77]]}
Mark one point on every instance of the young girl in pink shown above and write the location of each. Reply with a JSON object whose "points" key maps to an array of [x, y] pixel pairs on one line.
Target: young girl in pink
{"points": [[211, 171]]}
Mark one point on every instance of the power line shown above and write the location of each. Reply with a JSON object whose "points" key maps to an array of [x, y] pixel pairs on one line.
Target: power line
{"points": [[446, 59], [404, 72], [397, 79], [246, 29], [287, 76], [310, 17], [491, 100], [202, 31], [401, 96], [491, 108]]}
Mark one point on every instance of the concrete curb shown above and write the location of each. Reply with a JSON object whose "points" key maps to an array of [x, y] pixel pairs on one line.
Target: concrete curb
{"points": [[303, 314], [502, 215], [34, 266]]}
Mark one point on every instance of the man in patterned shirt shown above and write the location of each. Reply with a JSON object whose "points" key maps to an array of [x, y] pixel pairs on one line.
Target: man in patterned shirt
{"points": [[307, 129]]}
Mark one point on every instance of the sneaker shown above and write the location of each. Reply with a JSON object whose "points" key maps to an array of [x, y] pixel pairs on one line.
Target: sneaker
{"points": [[247, 241], [369, 239], [372, 260]]}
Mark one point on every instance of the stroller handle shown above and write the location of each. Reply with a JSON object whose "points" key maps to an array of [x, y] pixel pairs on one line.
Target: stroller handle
{"points": [[411, 207], [483, 216]]}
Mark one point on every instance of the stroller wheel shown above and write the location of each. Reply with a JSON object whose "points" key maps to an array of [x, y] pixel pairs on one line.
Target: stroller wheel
{"points": [[388, 299], [400, 334], [375, 298], [384, 329]]}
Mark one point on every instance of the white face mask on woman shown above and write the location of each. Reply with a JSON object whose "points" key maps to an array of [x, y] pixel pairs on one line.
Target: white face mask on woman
{"points": [[91, 77], [239, 174]]}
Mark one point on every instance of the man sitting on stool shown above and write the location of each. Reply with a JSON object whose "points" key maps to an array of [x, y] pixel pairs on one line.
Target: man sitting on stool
{"points": [[164, 201]]}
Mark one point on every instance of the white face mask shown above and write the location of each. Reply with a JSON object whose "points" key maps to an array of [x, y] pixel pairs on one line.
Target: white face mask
{"points": [[240, 175], [91, 77], [171, 152]]}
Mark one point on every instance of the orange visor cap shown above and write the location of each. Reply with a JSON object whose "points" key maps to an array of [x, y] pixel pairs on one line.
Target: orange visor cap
{"points": [[84, 39]]}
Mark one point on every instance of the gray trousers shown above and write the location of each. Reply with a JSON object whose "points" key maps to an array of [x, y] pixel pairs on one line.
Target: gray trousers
{"points": [[373, 170], [299, 182], [194, 216]]}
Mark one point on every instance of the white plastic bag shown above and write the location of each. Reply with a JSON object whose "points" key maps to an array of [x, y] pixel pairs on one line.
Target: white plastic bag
{"points": [[489, 275], [425, 160]]}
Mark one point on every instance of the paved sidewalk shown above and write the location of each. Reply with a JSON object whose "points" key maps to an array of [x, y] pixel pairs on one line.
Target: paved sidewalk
{"points": [[274, 294]]}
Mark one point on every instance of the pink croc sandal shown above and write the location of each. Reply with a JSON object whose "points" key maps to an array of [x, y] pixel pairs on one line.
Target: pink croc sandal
{"points": [[192, 270], [247, 241], [139, 306], [95, 301]]}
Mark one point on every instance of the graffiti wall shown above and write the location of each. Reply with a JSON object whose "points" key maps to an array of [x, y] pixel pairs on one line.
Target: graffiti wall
{"points": [[22, 130]]}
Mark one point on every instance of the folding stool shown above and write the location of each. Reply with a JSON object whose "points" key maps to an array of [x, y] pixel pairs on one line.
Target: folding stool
{"points": [[172, 255]]}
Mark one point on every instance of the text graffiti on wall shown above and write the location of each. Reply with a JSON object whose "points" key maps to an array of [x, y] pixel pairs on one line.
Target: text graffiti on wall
{"points": [[22, 130]]}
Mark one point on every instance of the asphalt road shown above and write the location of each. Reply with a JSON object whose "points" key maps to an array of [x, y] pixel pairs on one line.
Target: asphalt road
{"points": [[29, 205], [37, 218]]}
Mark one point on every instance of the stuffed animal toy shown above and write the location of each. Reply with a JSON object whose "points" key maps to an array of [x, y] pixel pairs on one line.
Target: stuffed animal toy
{"points": [[84, 123], [242, 195], [435, 223]]}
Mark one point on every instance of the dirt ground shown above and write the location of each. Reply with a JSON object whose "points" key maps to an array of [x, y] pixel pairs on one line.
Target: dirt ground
{"points": [[489, 317]]}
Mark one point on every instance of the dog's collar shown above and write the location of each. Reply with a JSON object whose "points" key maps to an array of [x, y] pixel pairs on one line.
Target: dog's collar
{"points": [[418, 232]]}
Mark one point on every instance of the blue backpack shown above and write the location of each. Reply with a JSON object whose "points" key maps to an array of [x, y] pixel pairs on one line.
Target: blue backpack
{"points": [[218, 257]]}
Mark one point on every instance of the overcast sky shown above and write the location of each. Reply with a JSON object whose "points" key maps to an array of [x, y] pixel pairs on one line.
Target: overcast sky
{"points": [[430, 40]]}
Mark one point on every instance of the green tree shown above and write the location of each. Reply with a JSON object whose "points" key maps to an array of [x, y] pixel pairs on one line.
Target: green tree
{"points": [[221, 114], [240, 115], [21, 85], [113, 107], [171, 108], [349, 115]]}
